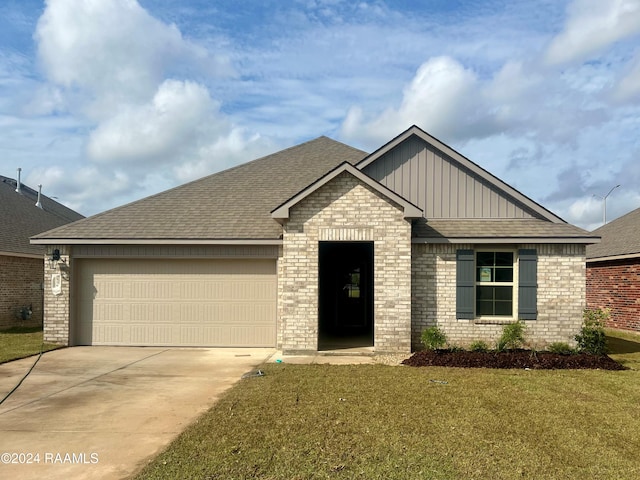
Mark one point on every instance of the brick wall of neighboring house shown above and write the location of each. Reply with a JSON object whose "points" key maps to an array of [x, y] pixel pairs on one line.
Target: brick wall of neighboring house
{"points": [[561, 295], [345, 210], [616, 285], [20, 287]]}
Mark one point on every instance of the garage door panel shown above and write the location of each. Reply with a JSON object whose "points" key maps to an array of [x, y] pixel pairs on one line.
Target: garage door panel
{"points": [[176, 302]]}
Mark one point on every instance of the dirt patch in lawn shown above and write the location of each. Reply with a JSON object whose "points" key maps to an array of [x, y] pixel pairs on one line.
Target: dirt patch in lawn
{"points": [[511, 359]]}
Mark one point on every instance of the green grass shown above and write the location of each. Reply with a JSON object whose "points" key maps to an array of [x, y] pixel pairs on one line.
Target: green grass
{"points": [[624, 347], [21, 342], [380, 422]]}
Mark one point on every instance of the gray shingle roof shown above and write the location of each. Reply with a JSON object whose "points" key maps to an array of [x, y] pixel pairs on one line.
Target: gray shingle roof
{"points": [[21, 219], [233, 204], [236, 204], [619, 237], [497, 229]]}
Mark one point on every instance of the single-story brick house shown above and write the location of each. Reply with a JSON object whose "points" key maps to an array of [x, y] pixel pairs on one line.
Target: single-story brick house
{"points": [[318, 245], [613, 271], [23, 214]]}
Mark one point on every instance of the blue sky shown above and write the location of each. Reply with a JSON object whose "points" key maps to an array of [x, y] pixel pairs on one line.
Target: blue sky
{"points": [[108, 101]]}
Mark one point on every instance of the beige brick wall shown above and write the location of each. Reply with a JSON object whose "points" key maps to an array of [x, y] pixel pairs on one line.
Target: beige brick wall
{"points": [[561, 295], [20, 286], [345, 210], [57, 307]]}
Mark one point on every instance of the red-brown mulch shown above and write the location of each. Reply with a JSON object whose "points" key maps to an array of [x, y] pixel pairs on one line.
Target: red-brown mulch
{"points": [[511, 359]]}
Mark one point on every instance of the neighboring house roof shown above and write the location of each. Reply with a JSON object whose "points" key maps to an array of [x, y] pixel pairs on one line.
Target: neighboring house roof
{"points": [[620, 239], [231, 205], [21, 218], [408, 208]]}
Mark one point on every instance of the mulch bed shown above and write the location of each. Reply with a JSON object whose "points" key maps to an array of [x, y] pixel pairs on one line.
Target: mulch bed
{"points": [[511, 359]]}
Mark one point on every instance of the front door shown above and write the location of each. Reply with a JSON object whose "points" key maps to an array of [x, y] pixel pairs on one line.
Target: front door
{"points": [[346, 294]]}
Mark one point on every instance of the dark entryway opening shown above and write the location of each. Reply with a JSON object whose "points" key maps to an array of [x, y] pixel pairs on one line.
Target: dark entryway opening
{"points": [[345, 295]]}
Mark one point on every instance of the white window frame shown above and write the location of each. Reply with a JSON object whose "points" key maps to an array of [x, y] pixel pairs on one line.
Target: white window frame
{"points": [[513, 284]]}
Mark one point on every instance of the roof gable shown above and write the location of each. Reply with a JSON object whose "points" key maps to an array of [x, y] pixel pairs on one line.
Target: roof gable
{"points": [[444, 183], [409, 210]]}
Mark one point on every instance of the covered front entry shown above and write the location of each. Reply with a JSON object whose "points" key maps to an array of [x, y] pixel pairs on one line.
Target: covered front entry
{"points": [[345, 295]]}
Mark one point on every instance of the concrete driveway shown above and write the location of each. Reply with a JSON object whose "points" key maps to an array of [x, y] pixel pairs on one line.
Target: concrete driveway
{"points": [[104, 412]]}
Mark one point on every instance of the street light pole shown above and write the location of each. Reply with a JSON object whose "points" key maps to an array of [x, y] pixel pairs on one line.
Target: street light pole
{"points": [[604, 204]]}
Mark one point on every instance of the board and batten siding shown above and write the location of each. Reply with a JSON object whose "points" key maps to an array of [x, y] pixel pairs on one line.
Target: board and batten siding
{"points": [[439, 185]]}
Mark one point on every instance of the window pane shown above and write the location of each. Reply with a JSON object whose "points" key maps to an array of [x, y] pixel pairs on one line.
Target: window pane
{"points": [[485, 259], [503, 293], [504, 274], [504, 259], [484, 308], [484, 293], [504, 308], [494, 300]]}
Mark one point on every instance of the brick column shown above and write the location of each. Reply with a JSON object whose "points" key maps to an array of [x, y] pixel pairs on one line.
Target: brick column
{"points": [[57, 306]]}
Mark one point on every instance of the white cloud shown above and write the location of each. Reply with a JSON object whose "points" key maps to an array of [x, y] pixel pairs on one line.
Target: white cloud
{"points": [[114, 51], [130, 77], [85, 186], [592, 26], [159, 130], [586, 211], [438, 99]]}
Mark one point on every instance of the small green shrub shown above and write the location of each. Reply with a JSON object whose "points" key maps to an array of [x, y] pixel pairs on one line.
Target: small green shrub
{"points": [[433, 338], [561, 348], [592, 338], [512, 336], [479, 346]]}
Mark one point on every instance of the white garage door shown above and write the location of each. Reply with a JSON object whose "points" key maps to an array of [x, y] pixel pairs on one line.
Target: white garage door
{"points": [[176, 302]]}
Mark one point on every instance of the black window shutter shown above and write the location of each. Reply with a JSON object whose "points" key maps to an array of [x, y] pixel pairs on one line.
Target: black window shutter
{"points": [[465, 284], [528, 284]]}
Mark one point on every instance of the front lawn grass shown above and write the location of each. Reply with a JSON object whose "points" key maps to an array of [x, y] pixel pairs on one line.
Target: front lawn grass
{"points": [[624, 347], [381, 422], [21, 342]]}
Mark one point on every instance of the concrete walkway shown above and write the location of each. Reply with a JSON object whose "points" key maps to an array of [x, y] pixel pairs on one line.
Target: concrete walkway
{"points": [[104, 412], [346, 357]]}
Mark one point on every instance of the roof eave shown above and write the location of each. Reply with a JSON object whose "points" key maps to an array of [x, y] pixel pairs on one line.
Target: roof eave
{"points": [[627, 256], [505, 240], [19, 254], [156, 241]]}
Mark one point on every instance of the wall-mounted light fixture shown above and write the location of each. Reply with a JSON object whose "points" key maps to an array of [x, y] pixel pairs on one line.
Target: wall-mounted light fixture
{"points": [[56, 261], [54, 258]]}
